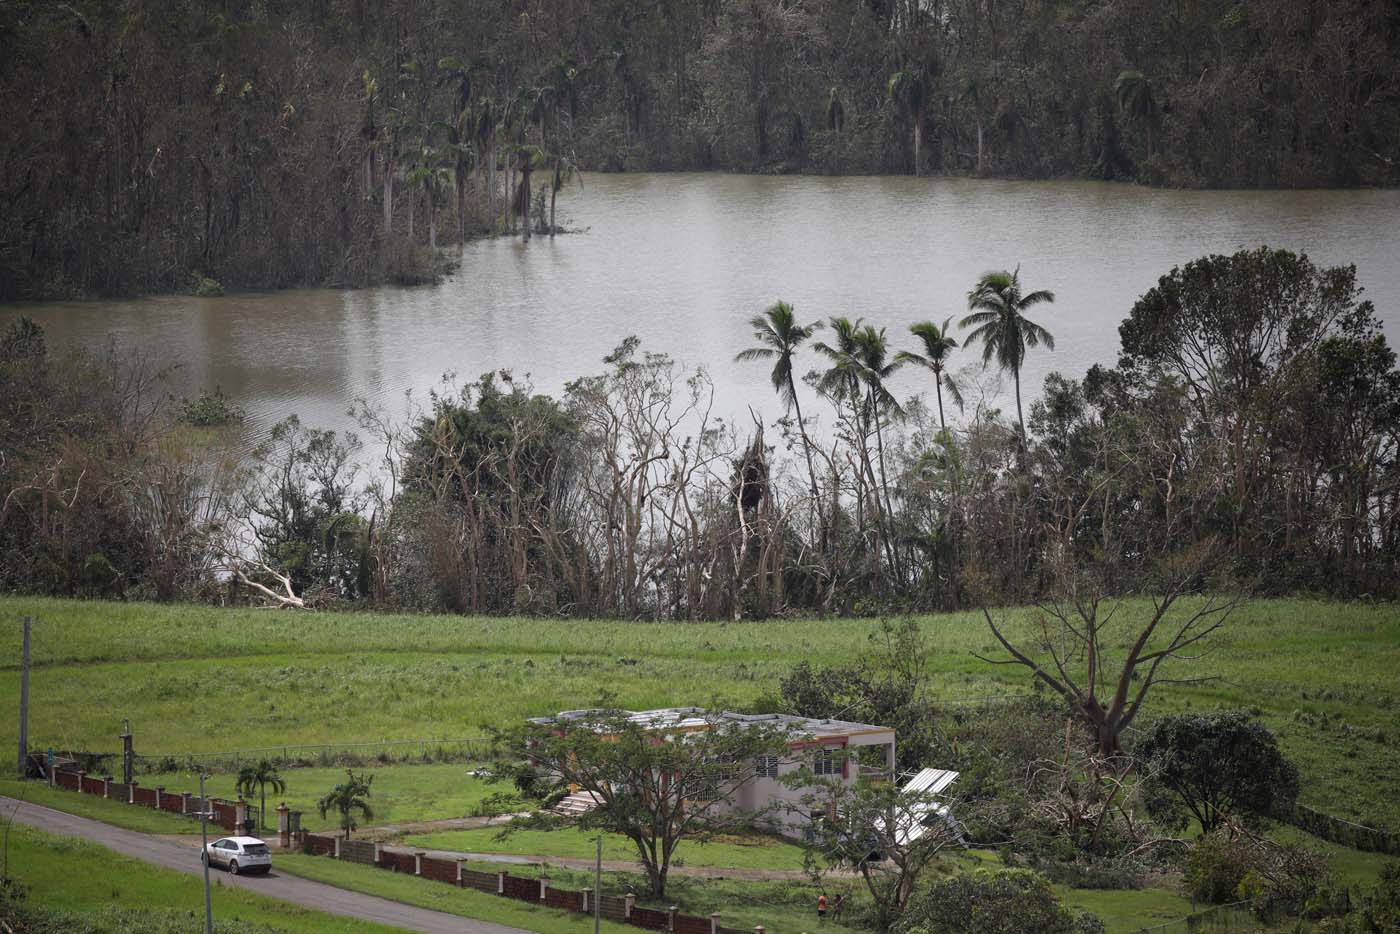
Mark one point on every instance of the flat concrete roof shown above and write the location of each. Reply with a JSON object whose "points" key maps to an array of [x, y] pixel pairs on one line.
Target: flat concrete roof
{"points": [[681, 718]]}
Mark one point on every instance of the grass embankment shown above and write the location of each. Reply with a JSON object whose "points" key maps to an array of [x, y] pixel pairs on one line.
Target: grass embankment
{"points": [[65, 873], [198, 679], [144, 819]]}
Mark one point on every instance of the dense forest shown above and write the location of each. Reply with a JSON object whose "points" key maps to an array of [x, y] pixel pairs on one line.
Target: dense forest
{"points": [[154, 145], [1249, 436]]}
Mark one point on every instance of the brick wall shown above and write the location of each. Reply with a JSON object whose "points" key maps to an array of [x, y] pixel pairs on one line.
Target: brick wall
{"points": [[175, 804], [441, 870], [527, 890], [481, 881], [614, 909], [357, 851], [225, 813], [146, 797], [686, 924], [565, 899], [650, 919], [399, 862], [119, 792], [68, 780], [319, 845], [93, 786]]}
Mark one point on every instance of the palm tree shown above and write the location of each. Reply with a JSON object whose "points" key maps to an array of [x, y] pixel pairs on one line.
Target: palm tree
{"points": [[875, 368], [999, 322], [939, 344], [260, 776], [909, 91], [564, 170], [347, 798], [835, 112], [1135, 98], [780, 335]]}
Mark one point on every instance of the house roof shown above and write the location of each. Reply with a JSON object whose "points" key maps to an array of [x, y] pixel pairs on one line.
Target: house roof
{"points": [[697, 718]]}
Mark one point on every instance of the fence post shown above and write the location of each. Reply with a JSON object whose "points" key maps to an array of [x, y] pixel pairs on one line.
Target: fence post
{"points": [[106, 786], [501, 882], [284, 836], [160, 790], [459, 872], [758, 929], [337, 846], [586, 893], [131, 791], [544, 887], [671, 917], [378, 855], [185, 802], [629, 901], [81, 776], [418, 862], [714, 923]]}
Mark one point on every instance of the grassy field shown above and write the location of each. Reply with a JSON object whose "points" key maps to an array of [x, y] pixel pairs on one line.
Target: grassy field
{"points": [[400, 793], [756, 852], [61, 872], [199, 679]]}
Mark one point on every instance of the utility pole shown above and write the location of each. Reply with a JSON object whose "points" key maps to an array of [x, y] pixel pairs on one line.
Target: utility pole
{"points": [[204, 855], [24, 705], [598, 888]]}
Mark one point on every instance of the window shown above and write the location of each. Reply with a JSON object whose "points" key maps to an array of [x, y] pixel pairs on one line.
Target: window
{"points": [[766, 767], [828, 762]]}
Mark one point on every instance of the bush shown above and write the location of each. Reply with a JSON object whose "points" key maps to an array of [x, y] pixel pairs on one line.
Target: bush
{"points": [[1215, 867], [210, 410], [993, 902]]}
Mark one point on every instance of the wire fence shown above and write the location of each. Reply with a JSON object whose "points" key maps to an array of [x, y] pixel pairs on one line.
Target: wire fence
{"points": [[1222, 919]]}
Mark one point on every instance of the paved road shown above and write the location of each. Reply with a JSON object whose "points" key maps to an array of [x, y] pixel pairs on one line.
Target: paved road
{"points": [[181, 857]]}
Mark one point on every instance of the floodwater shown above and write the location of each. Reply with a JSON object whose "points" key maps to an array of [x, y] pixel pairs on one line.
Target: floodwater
{"points": [[684, 260]]}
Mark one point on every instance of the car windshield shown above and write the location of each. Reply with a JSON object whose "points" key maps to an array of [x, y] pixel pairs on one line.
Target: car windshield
{"points": [[256, 849]]}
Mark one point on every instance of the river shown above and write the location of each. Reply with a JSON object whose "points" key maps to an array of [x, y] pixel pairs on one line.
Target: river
{"points": [[683, 260]]}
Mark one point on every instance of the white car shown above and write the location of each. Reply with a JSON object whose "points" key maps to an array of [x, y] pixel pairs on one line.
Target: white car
{"points": [[239, 854]]}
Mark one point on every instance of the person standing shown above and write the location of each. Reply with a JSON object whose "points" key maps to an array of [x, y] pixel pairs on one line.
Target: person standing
{"points": [[837, 906], [821, 907]]}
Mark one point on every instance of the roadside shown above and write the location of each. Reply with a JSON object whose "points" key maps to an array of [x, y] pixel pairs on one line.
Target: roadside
{"points": [[181, 857]]}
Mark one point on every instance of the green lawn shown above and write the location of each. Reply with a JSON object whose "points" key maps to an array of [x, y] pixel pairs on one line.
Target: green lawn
{"points": [[750, 852], [132, 817], [65, 873], [202, 679], [439, 896], [401, 793]]}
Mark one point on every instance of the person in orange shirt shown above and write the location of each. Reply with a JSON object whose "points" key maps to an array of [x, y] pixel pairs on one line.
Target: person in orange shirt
{"points": [[821, 907]]}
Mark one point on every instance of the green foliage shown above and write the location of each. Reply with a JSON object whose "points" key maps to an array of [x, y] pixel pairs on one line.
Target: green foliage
{"points": [[1218, 766], [993, 902], [211, 410], [1215, 867], [347, 799]]}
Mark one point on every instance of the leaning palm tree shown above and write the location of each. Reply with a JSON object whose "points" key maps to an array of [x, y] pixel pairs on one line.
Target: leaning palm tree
{"points": [[780, 335], [260, 776], [939, 344], [999, 321], [347, 798]]}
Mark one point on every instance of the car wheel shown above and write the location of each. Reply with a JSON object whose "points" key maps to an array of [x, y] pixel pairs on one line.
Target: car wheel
{"points": [[233, 867]]}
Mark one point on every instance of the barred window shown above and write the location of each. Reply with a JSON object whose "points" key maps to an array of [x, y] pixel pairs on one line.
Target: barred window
{"points": [[766, 767], [827, 762]]}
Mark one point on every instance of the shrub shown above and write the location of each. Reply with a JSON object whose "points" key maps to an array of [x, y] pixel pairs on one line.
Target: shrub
{"points": [[1215, 867], [993, 902]]}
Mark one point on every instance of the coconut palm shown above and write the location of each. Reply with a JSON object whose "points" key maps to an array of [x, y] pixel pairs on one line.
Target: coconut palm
{"points": [[911, 92], [999, 322], [564, 170], [939, 344], [780, 335], [346, 799], [1135, 98], [260, 776]]}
